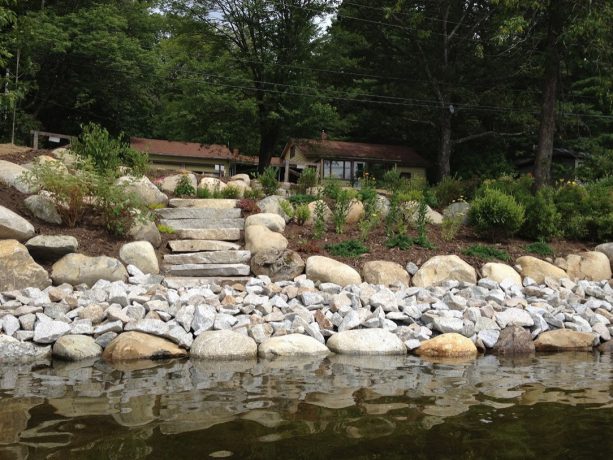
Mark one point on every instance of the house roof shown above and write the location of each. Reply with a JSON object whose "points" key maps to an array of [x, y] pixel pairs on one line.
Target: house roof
{"points": [[181, 149], [556, 154], [327, 149], [253, 160]]}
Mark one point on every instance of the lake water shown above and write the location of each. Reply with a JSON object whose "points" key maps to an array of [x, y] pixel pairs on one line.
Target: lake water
{"points": [[548, 406]]}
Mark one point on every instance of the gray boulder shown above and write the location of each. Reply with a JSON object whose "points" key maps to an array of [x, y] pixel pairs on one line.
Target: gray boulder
{"points": [[11, 174], [15, 351], [223, 344], [367, 342], [18, 269], [43, 207], [78, 268], [144, 189], [277, 264], [514, 340], [140, 254], [49, 248], [146, 231], [76, 347], [270, 204], [13, 226]]}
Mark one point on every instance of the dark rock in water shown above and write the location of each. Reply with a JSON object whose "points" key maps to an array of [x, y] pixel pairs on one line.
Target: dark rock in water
{"points": [[277, 264], [606, 347], [514, 340]]}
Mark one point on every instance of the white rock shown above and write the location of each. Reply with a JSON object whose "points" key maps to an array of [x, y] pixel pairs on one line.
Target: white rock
{"points": [[140, 254], [326, 270], [292, 345], [223, 345], [273, 222], [50, 331], [366, 342], [13, 226]]}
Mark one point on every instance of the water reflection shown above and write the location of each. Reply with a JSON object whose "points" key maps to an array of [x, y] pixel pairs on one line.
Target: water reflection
{"points": [[95, 410]]}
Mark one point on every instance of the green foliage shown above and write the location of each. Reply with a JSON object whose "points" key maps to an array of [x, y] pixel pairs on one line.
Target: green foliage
{"points": [[487, 253], [520, 188], [287, 208], [399, 241], [392, 181], [450, 227], [301, 199], [308, 179], [349, 248], [119, 210], [319, 219], [540, 248], [231, 191], [332, 188], [341, 209], [253, 194], [449, 190], [204, 192], [496, 215], [184, 187], [542, 217], [302, 214], [269, 180], [421, 221], [166, 229]]}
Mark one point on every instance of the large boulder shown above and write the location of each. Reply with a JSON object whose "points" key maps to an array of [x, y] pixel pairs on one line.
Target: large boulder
{"points": [[441, 268], [514, 340], [591, 265], [326, 270], [312, 205], [459, 210], [366, 342], [241, 177], [223, 344], [499, 272], [564, 340], [169, 183], [18, 269], [384, 272], [49, 248], [13, 226], [15, 351], [355, 212], [76, 348], [292, 345], [146, 231], [11, 174], [240, 185], [212, 184], [450, 345], [259, 238], [277, 264], [138, 345], [538, 269], [140, 254], [43, 207], [271, 204], [272, 221], [143, 188], [78, 268], [607, 250], [432, 216]]}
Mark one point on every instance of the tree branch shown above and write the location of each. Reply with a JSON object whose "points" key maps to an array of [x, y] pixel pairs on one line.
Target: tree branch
{"points": [[484, 134]]}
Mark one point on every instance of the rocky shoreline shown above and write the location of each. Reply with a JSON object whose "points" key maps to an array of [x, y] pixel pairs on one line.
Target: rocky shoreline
{"points": [[152, 317]]}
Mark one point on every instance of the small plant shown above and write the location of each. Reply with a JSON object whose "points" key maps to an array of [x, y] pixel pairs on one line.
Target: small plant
{"points": [[287, 208], [421, 221], [542, 218], [450, 189], [302, 214], [119, 210], [394, 222], [332, 188], [184, 187], [308, 247], [204, 192], [231, 191], [392, 180], [540, 248], [341, 209], [495, 215], [166, 229], [248, 206], [403, 242], [451, 226], [301, 199], [154, 206], [269, 180], [308, 179], [349, 248], [253, 194], [487, 253], [319, 216]]}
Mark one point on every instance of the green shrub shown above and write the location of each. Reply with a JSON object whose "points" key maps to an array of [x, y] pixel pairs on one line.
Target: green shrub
{"points": [[204, 192], [301, 199], [341, 209], [119, 210], [287, 208], [184, 187], [231, 191], [392, 180], [268, 180], [308, 179], [450, 227], [168, 230], [487, 253], [540, 248], [494, 214], [253, 194], [542, 217], [450, 189], [302, 214], [399, 241], [332, 188], [319, 219], [350, 248], [520, 188], [137, 161]]}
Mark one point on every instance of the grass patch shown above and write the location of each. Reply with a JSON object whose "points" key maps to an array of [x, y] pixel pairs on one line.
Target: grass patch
{"points": [[166, 229], [540, 248], [349, 248], [301, 199], [487, 253], [399, 241]]}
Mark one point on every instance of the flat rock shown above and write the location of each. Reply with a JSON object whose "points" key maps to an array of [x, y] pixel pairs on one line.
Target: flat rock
{"points": [[137, 345], [15, 351], [142, 255], [223, 344], [208, 270], [385, 273], [292, 345], [591, 265], [201, 245], [366, 342], [500, 272], [221, 203], [49, 331], [76, 348], [13, 226], [199, 224], [11, 174], [199, 213], [259, 238], [277, 264], [326, 270], [442, 268], [564, 339], [43, 207], [226, 234], [450, 345], [538, 269], [273, 222], [78, 268], [213, 257], [49, 248], [514, 340], [514, 317], [18, 269]]}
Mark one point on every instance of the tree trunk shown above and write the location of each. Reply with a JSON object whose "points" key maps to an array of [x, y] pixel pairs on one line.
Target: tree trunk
{"points": [[268, 141], [445, 145]]}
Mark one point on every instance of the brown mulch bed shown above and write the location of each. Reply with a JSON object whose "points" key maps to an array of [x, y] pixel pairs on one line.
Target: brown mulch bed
{"points": [[19, 155]]}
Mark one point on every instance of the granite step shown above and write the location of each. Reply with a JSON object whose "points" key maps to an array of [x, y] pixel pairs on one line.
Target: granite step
{"points": [[224, 234], [199, 213], [207, 270], [201, 245], [183, 224], [214, 203], [178, 282], [213, 257]]}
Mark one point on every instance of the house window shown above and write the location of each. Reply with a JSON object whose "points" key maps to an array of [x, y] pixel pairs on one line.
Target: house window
{"points": [[220, 170], [337, 169]]}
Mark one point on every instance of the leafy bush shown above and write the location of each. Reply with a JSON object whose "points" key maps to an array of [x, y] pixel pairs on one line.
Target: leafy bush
{"points": [[341, 209], [399, 241], [308, 179], [450, 227], [542, 217], [184, 187], [248, 206], [137, 161], [450, 189], [520, 188], [540, 248], [487, 253], [301, 199], [494, 214], [287, 208], [332, 188], [349, 248], [269, 180], [392, 180], [168, 230], [253, 194], [119, 210], [204, 192], [302, 214], [231, 191]]}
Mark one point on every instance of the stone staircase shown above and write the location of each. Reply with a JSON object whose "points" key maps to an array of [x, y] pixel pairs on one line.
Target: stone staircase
{"points": [[207, 248]]}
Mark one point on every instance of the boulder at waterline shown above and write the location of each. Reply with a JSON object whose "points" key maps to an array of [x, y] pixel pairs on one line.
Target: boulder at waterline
{"points": [[76, 348], [606, 347], [327, 212], [326, 270], [212, 184], [49, 331], [270, 204], [538, 269], [499, 272], [272, 221], [277, 264], [11, 174], [13, 226], [78, 268], [514, 340], [140, 254], [386, 273], [591, 265], [223, 344], [19, 270], [143, 188], [169, 183], [564, 339], [442, 268], [292, 345], [450, 345], [259, 238], [16, 351], [43, 207], [366, 342], [49, 248], [137, 345], [146, 231], [607, 250]]}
